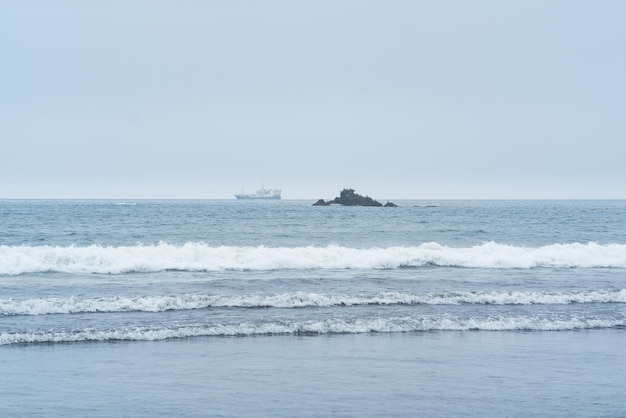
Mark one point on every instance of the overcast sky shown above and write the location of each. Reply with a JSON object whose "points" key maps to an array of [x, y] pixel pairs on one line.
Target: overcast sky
{"points": [[396, 99]]}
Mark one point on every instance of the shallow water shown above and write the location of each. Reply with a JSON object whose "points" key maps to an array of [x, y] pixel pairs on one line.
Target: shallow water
{"points": [[572, 373]]}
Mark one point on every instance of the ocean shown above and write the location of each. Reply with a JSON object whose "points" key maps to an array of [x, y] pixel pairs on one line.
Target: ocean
{"points": [[143, 308]]}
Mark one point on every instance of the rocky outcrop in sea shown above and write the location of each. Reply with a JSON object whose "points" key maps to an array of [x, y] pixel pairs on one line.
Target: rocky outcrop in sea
{"points": [[348, 197]]}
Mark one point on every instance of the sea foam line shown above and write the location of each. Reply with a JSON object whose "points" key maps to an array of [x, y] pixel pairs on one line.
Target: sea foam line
{"points": [[330, 326], [202, 257], [46, 306]]}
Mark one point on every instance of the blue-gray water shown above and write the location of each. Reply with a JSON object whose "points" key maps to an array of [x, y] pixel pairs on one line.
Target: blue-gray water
{"points": [[230, 308]]}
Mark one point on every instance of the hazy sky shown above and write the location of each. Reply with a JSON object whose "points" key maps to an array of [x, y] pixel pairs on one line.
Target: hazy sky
{"points": [[396, 99]]}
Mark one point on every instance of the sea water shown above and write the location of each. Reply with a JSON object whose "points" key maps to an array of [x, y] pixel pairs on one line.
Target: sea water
{"points": [[280, 308]]}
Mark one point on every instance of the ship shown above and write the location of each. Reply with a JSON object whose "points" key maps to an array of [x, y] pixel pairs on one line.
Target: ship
{"points": [[263, 194]]}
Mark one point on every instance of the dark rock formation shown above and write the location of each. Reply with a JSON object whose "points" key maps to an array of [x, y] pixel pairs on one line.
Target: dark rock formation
{"points": [[321, 202], [390, 205], [348, 197]]}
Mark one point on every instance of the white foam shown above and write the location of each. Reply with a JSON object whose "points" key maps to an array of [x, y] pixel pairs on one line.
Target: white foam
{"points": [[202, 257], [46, 306], [331, 326]]}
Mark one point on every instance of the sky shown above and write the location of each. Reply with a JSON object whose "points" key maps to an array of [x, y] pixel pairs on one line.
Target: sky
{"points": [[199, 99]]}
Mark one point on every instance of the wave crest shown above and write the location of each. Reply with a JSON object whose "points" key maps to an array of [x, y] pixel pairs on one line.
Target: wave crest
{"points": [[15, 260], [330, 326], [73, 304]]}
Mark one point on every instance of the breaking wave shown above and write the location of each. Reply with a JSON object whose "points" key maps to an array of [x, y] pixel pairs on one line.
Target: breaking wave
{"points": [[15, 260], [47, 306], [331, 326]]}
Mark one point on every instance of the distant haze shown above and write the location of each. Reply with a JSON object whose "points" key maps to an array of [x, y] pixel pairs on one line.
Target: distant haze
{"points": [[395, 99]]}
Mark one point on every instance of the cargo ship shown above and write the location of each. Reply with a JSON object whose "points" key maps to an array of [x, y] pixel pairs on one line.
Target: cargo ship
{"points": [[263, 194]]}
